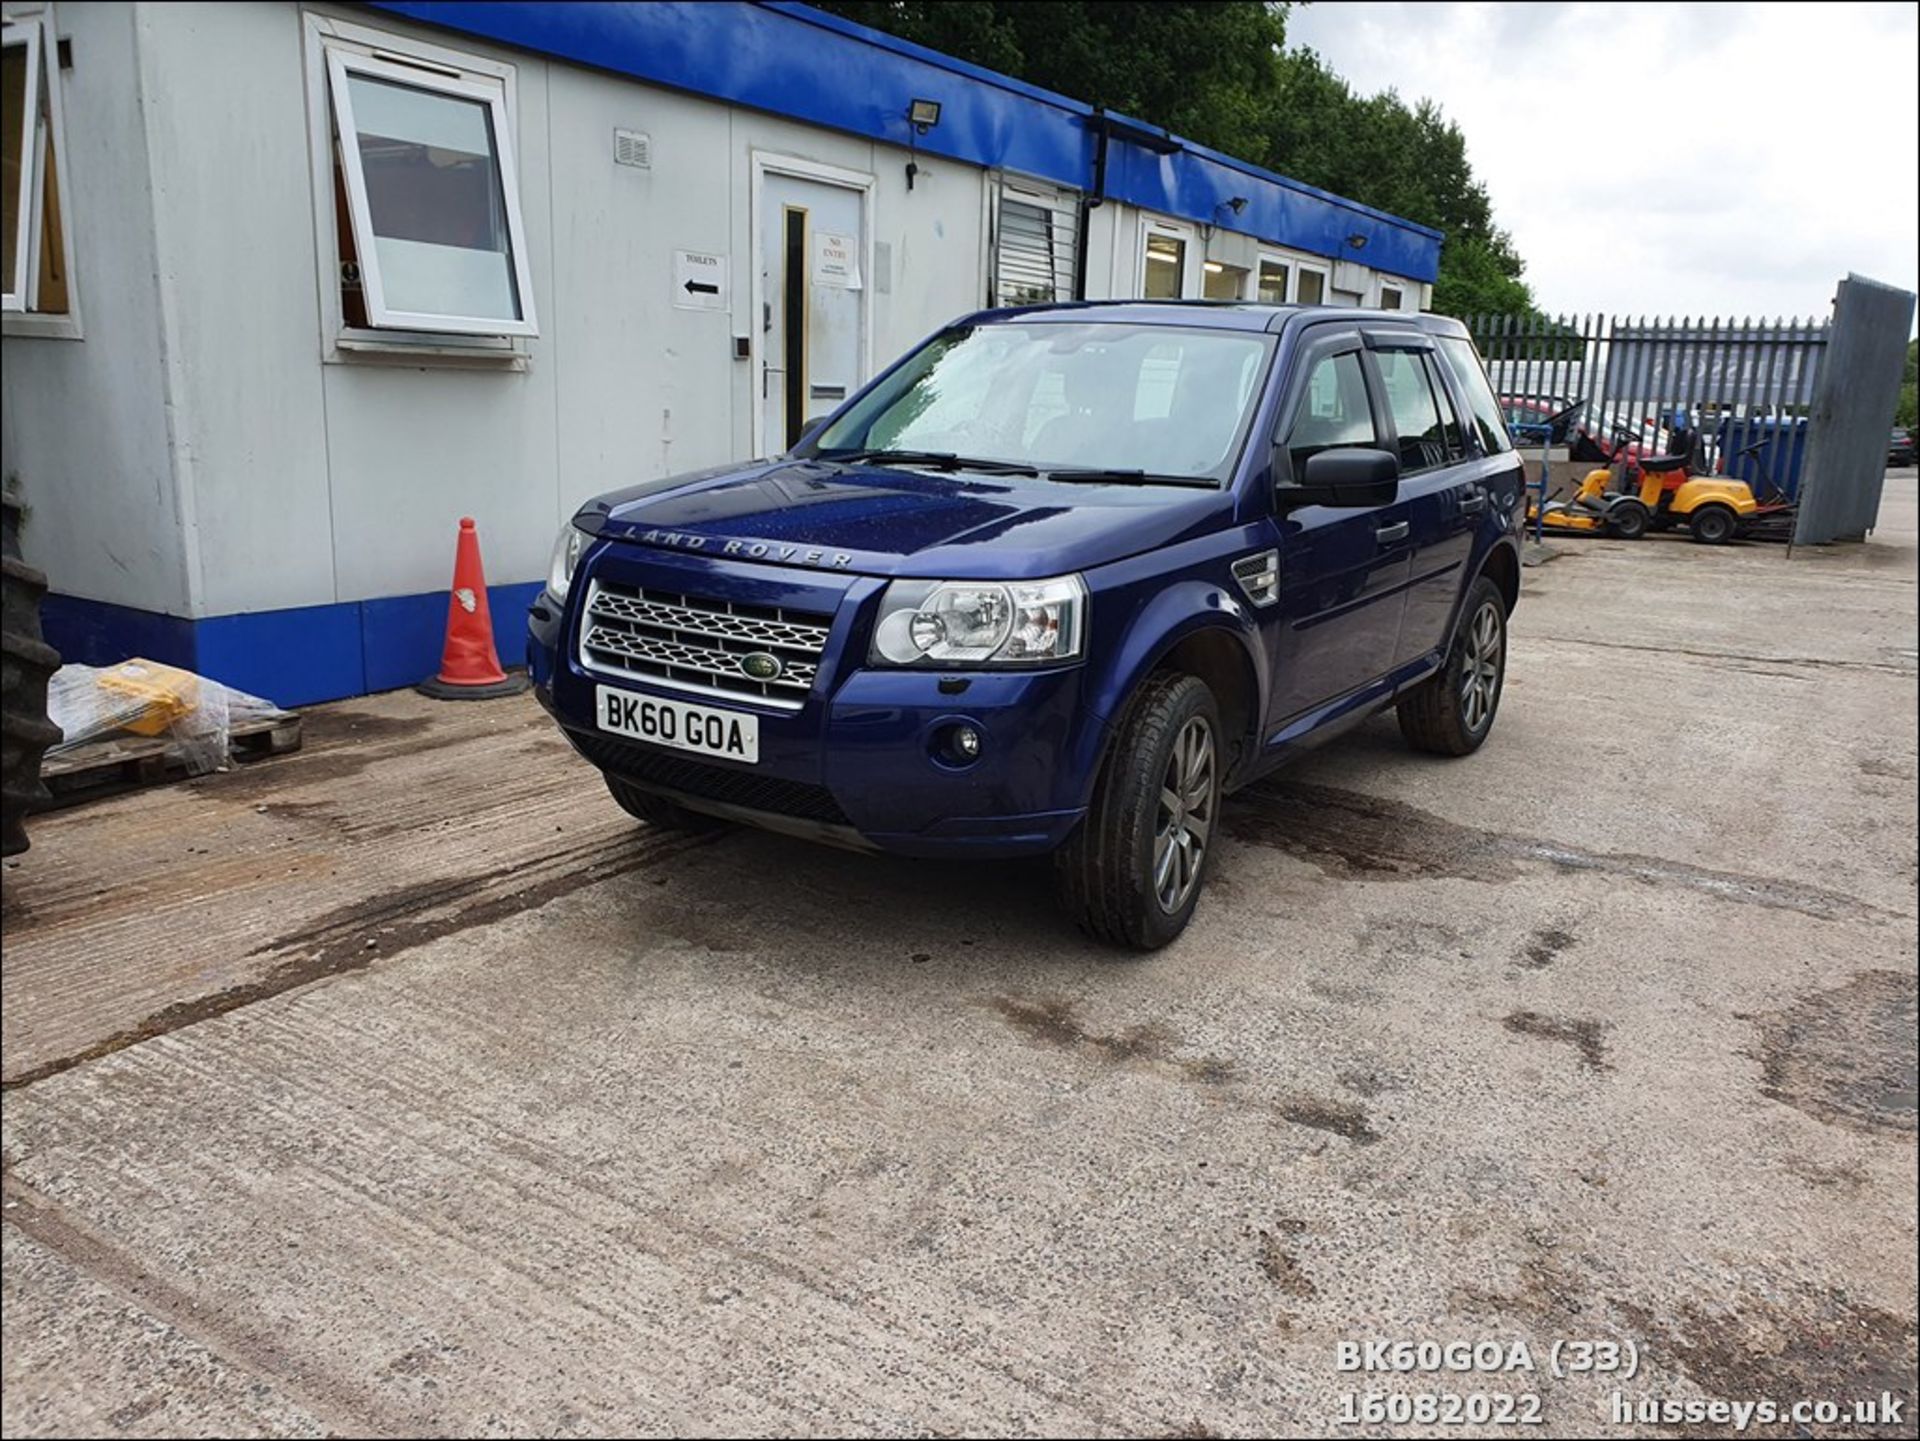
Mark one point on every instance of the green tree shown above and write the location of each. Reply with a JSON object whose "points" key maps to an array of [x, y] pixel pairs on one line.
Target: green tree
{"points": [[1206, 71], [1220, 74]]}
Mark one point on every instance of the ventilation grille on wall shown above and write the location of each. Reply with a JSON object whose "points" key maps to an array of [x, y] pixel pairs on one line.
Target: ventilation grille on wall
{"points": [[631, 147]]}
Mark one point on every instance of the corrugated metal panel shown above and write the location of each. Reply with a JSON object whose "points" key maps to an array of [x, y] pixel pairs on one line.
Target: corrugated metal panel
{"points": [[1846, 465]]}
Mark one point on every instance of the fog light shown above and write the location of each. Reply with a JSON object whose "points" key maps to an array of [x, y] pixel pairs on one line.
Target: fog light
{"points": [[956, 744]]}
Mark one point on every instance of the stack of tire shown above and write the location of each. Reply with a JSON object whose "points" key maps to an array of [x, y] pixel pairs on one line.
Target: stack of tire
{"points": [[26, 664]]}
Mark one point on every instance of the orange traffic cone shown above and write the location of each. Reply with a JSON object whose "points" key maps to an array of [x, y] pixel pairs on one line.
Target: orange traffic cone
{"points": [[469, 665]]}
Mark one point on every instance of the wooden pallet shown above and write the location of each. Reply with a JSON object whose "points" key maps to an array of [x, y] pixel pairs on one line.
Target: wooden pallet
{"points": [[118, 763]]}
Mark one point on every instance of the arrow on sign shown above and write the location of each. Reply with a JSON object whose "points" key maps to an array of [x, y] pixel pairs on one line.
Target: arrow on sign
{"points": [[695, 287]]}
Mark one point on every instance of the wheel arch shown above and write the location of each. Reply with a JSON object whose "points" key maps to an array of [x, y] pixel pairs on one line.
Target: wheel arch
{"points": [[1502, 567], [1200, 636]]}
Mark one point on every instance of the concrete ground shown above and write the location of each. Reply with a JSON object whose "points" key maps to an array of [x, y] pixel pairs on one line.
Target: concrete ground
{"points": [[404, 1086]]}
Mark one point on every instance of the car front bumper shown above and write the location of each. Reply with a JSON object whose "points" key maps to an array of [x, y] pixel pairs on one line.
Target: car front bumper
{"points": [[861, 762]]}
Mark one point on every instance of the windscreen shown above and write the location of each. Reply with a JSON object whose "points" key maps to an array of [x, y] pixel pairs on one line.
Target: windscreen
{"points": [[1161, 399]]}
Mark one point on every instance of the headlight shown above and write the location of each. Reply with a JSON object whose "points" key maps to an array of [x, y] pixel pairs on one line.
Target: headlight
{"points": [[968, 622], [566, 555]]}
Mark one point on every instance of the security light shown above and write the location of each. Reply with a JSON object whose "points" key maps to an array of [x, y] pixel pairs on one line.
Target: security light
{"points": [[1357, 241], [923, 115]]}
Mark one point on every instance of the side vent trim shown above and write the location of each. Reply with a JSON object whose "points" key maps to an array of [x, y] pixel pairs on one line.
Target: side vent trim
{"points": [[1259, 576]]}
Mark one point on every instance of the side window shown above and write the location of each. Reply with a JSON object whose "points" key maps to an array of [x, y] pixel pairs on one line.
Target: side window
{"points": [[1416, 414], [1484, 410], [33, 242], [430, 232], [1333, 413]]}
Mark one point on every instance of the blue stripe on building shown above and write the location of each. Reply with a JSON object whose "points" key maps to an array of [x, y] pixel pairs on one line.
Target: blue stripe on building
{"points": [[298, 656], [794, 61]]}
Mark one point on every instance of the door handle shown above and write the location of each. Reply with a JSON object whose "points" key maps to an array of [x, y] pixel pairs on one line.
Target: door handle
{"points": [[1473, 502], [1390, 534]]}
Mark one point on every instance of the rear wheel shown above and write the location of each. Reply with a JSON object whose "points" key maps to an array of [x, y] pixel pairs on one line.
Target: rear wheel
{"points": [[1628, 520], [1131, 874], [659, 811], [1451, 713], [1712, 525]]}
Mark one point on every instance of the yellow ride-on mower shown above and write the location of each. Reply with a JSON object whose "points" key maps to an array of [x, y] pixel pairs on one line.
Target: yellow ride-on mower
{"points": [[1639, 493]]}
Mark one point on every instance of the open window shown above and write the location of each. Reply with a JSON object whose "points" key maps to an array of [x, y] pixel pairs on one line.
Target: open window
{"points": [[1036, 233], [428, 204], [33, 243]]}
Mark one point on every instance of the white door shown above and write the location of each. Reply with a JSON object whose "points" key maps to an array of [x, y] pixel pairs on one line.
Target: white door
{"points": [[813, 300]]}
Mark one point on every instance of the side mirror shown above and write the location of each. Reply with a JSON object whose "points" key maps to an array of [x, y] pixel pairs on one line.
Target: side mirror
{"points": [[1349, 478]]}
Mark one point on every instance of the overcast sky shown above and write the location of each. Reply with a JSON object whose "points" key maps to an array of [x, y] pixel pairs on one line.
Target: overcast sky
{"points": [[1671, 158]]}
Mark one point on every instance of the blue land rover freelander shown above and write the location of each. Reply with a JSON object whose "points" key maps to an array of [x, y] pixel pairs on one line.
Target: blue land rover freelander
{"points": [[1058, 581]]}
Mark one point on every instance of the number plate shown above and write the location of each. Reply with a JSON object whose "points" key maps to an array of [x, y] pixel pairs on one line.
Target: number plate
{"points": [[676, 724]]}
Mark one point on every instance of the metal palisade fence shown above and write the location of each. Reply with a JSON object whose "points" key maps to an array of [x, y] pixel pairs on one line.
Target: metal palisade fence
{"points": [[1746, 385]]}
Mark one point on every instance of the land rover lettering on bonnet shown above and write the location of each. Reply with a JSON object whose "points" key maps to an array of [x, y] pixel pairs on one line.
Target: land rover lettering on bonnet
{"points": [[1057, 583]]}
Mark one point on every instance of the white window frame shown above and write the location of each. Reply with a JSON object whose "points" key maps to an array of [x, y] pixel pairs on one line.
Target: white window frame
{"points": [[34, 27], [1190, 257], [1060, 204], [18, 295], [1324, 271], [421, 63], [1275, 257], [1399, 290]]}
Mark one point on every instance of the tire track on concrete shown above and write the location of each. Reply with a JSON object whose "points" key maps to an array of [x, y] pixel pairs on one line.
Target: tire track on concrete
{"points": [[352, 937], [1818, 662], [253, 1349], [1348, 833]]}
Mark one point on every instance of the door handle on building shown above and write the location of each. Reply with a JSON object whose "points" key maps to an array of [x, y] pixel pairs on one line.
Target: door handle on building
{"points": [[1391, 534]]}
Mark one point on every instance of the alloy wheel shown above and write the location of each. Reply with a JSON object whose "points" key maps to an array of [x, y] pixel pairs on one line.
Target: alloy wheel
{"points": [[1184, 822], [1480, 668]]}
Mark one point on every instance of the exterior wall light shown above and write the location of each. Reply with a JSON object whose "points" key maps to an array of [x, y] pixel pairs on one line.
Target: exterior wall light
{"points": [[1357, 241], [922, 115]]}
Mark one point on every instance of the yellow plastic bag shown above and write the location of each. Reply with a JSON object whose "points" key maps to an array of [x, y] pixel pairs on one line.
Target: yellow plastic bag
{"points": [[150, 698]]}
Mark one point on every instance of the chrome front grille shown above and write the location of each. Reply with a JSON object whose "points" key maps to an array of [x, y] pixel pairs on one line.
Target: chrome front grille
{"points": [[691, 643]]}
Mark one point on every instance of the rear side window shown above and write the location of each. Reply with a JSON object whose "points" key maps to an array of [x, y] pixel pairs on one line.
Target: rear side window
{"points": [[1418, 422], [1481, 406], [1333, 414]]}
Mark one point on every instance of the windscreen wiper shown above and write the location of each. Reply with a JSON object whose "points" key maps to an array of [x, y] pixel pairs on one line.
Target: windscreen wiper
{"points": [[1129, 477], [936, 459]]}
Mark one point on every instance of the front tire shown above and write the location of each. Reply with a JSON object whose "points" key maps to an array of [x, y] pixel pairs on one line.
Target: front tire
{"points": [[1132, 873], [660, 812], [1451, 712]]}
